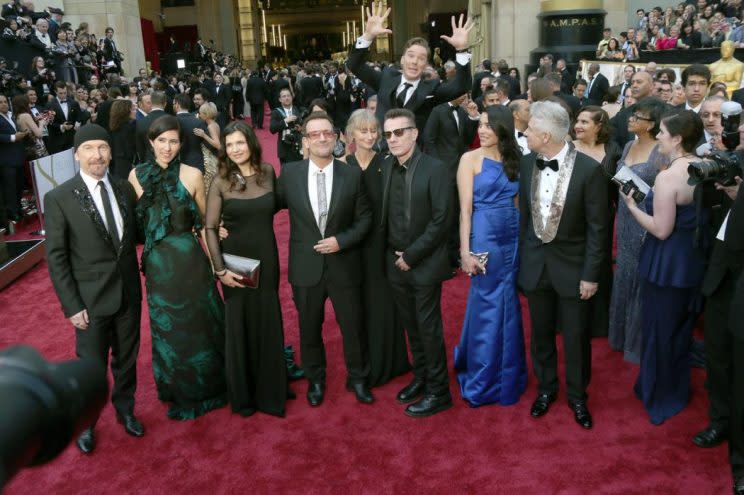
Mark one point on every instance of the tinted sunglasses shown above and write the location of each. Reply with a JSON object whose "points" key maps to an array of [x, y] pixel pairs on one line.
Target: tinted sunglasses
{"points": [[397, 132]]}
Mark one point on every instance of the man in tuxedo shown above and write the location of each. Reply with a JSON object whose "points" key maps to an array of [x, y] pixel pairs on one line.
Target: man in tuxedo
{"points": [[200, 51], [598, 85], [628, 72], [417, 193], [191, 150], [405, 88], [92, 257], [13, 151], [222, 99], [329, 217], [285, 121], [66, 119], [111, 52], [256, 92], [40, 38], [567, 78], [579, 91], [520, 110], [144, 149], [563, 224]]}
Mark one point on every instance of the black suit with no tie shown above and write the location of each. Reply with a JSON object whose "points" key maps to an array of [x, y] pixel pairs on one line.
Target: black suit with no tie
{"points": [[286, 152], [597, 89], [315, 277], [89, 273], [256, 92], [417, 292]]}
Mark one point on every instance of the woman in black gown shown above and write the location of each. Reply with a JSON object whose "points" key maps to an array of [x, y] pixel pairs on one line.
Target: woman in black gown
{"points": [[388, 356], [242, 195]]}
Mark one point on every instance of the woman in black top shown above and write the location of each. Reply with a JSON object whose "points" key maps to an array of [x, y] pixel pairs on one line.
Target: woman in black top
{"points": [[689, 37]]}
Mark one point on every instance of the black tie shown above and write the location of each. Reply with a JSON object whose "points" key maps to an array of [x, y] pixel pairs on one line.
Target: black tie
{"points": [[541, 164], [456, 117], [110, 221], [520, 134], [402, 95]]}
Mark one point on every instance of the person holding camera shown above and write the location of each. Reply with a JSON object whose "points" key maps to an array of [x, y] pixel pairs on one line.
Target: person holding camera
{"points": [[671, 266], [66, 120], [286, 122]]}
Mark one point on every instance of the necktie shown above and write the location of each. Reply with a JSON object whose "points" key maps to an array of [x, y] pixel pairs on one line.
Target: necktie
{"points": [[401, 99], [322, 202], [110, 221], [520, 134], [552, 164], [455, 116]]}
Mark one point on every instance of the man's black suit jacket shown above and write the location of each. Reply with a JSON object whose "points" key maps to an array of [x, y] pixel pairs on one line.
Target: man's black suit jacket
{"points": [[444, 140], [256, 90], [429, 224], [104, 113], [222, 98], [277, 126], [191, 150], [13, 152], [58, 140], [311, 87], [599, 89], [578, 249], [144, 150], [428, 94], [738, 96], [86, 271], [573, 103], [567, 81], [349, 220]]}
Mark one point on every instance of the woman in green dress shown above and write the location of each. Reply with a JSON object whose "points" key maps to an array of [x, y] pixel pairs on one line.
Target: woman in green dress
{"points": [[186, 311]]}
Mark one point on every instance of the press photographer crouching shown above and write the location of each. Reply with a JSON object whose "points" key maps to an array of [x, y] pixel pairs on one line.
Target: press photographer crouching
{"points": [[44, 406]]}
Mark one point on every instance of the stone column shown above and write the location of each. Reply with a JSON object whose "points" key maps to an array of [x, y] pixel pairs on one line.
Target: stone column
{"points": [[249, 29], [121, 15]]}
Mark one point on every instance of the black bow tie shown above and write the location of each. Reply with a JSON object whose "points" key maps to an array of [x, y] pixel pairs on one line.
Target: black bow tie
{"points": [[520, 134], [541, 164], [453, 108]]}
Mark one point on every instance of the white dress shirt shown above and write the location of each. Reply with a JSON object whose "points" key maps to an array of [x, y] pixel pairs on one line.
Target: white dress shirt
{"points": [[312, 186], [44, 38], [548, 183], [721, 236], [694, 109], [522, 142], [65, 108], [95, 191], [9, 117]]}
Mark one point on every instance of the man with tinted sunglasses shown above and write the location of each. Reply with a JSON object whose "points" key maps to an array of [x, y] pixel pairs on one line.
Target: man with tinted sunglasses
{"points": [[416, 218]]}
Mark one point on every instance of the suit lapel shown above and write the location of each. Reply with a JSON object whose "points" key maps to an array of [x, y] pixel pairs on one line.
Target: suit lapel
{"points": [[386, 167], [337, 187], [303, 178], [88, 207]]}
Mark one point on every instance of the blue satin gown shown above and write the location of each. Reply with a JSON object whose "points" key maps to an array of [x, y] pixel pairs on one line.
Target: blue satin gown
{"points": [[490, 359]]}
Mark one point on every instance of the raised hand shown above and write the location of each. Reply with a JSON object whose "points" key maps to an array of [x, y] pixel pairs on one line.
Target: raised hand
{"points": [[460, 31], [375, 22]]}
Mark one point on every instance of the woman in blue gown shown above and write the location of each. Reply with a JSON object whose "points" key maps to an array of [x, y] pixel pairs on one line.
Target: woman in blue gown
{"points": [[671, 268], [490, 359]]}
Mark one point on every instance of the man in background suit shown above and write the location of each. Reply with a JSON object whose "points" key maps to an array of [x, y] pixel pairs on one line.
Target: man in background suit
{"points": [[598, 85], [111, 52], [104, 108], [478, 77], [311, 87], [191, 150], [284, 120], [13, 151], [329, 217], [628, 72], [415, 216], [222, 99], [256, 92], [66, 119], [405, 88], [144, 150], [641, 86], [92, 258], [562, 227], [567, 78]]}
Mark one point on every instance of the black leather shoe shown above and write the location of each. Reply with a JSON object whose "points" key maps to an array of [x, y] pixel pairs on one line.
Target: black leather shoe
{"points": [[739, 485], [411, 392], [86, 442], [131, 425], [362, 392], [581, 413], [294, 371], [710, 437], [315, 394], [542, 404], [429, 405]]}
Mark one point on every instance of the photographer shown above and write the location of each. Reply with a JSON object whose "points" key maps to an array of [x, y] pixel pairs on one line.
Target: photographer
{"points": [[286, 122]]}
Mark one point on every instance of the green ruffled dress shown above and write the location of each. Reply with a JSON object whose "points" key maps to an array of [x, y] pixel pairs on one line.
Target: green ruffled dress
{"points": [[186, 311]]}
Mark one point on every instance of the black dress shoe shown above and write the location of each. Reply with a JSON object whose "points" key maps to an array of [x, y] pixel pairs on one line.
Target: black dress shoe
{"points": [[131, 425], [362, 392], [294, 371], [739, 485], [542, 405], [411, 392], [429, 405], [710, 437], [315, 394], [581, 413], [86, 442]]}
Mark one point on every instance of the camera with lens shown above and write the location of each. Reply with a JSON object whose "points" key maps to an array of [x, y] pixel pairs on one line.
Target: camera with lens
{"points": [[293, 136], [628, 185], [723, 166]]}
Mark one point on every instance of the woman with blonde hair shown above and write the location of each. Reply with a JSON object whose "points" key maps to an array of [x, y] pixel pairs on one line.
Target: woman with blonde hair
{"points": [[211, 141]]}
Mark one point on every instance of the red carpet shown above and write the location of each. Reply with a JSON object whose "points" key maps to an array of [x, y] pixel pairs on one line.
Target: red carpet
{"points": [[347, 447]]}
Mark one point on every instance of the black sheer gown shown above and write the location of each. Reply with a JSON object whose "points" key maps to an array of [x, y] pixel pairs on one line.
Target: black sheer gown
{"points": [[386, 342], [254, 346]]}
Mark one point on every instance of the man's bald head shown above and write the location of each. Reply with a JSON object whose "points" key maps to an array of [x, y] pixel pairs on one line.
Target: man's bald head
{"points": [[641, 85]]}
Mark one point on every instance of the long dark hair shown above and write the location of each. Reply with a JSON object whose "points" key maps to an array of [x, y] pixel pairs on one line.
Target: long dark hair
{"points": [[228, 169], [501, 122]]}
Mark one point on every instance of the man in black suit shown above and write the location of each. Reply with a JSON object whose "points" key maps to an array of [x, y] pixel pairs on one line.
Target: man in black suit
{"points": [[191, 150], [200, 51], [279, 82], [13, 151], [562, 228], [256, 92], [144, 150], [478, 77], [285, 120], [567, 78], [641, 86], [311, 87], [222, 99], [598, 85], [91, 252], [111, 55], [628, 72], [415, 214], [554, 79], [66, 119], [405, 88], [329, 217]]}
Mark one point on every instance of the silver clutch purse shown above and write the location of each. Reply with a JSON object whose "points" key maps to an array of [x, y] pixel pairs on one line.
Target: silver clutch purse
{"points": [[482, 259], [248, 269]]}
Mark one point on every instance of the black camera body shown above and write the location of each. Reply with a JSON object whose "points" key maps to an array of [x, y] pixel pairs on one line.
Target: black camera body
{"points": [[723, 166], [628, 185], [293, 135]]}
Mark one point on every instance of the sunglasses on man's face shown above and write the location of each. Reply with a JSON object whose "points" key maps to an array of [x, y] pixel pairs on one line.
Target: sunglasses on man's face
{"points": [[397, 132]]}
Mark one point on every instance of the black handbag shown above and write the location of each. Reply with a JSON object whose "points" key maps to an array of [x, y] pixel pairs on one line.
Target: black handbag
{"points": [[248, 269]]}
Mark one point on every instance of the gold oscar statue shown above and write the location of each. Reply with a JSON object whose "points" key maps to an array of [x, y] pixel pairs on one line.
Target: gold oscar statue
{"points": [[727, 69]]}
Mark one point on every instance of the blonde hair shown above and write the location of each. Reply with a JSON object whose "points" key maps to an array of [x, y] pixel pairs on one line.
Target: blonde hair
{"points": [[208, 110], [360, 118]]}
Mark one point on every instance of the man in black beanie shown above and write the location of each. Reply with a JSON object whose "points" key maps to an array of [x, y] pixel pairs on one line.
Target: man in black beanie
{"points": [[91, 240]]}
